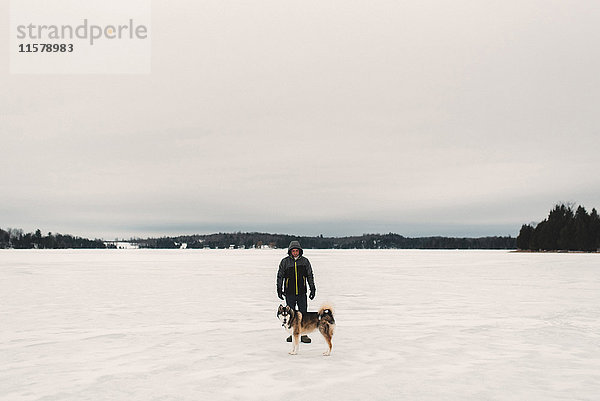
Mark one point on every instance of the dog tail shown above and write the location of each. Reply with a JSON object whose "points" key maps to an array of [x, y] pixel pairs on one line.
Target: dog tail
{"points": [[326, 313]]}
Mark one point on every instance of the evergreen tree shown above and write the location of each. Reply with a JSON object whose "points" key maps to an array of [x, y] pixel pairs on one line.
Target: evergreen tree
{"points": [[582, 237], [524, 240], [563, 230], [4, 239], [594, 230]]}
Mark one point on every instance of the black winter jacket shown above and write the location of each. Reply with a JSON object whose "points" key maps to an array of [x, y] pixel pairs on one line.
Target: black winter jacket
{"points": [[293, 275]]}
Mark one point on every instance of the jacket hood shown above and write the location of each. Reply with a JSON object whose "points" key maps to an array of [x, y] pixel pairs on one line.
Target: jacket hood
{"points": [[295, 245]]}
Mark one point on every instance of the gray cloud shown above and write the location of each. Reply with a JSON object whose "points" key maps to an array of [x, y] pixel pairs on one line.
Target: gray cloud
{"points": [[459, 118]]}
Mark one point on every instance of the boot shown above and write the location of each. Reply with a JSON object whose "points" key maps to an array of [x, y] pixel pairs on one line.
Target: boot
{"points": [[289, 339], [305, 339]]}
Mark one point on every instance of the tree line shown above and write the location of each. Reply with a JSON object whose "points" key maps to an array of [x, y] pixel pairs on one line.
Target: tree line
{"points": [[17, 239], [564, 229], [365, 241]]}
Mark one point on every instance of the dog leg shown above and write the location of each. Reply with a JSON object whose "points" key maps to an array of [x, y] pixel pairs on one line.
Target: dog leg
{"points": [[295, 341], [325, 331], [328, 339]]}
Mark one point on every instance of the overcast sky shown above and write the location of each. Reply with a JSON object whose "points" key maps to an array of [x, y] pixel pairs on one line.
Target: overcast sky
{"points": [[336, 117]]}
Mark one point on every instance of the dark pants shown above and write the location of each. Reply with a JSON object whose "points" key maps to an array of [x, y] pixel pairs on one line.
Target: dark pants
{"points": [[300, 299]]}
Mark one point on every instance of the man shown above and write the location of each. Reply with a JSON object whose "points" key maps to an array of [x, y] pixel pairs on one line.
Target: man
{"points": [[294, 271]]}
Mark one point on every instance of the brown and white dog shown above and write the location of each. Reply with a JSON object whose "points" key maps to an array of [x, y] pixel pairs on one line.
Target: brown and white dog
{"points": [[298, 323]]}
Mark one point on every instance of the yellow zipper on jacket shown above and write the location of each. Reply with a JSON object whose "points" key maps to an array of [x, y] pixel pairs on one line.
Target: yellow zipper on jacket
{"points": [[296, 270]]}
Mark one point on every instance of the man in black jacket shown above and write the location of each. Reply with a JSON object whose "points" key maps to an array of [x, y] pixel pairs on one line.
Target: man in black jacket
{"points": [[293, 274]]}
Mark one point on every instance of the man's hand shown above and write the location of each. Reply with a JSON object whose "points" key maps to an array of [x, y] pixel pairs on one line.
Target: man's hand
{"points": [[280, 293], [313, 291]]}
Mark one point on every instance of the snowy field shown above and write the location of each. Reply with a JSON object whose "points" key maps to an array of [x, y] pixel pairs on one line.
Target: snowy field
{"points": [[200, 325]]}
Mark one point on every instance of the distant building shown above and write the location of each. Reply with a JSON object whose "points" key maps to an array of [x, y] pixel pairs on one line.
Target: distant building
{"points": [[121, 245]]}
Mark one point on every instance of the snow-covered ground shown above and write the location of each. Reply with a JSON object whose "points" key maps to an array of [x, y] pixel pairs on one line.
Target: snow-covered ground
{"points": [[201, 325]]}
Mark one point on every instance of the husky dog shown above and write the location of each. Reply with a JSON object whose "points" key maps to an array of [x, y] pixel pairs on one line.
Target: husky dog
{"points": [[298, 323]]}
